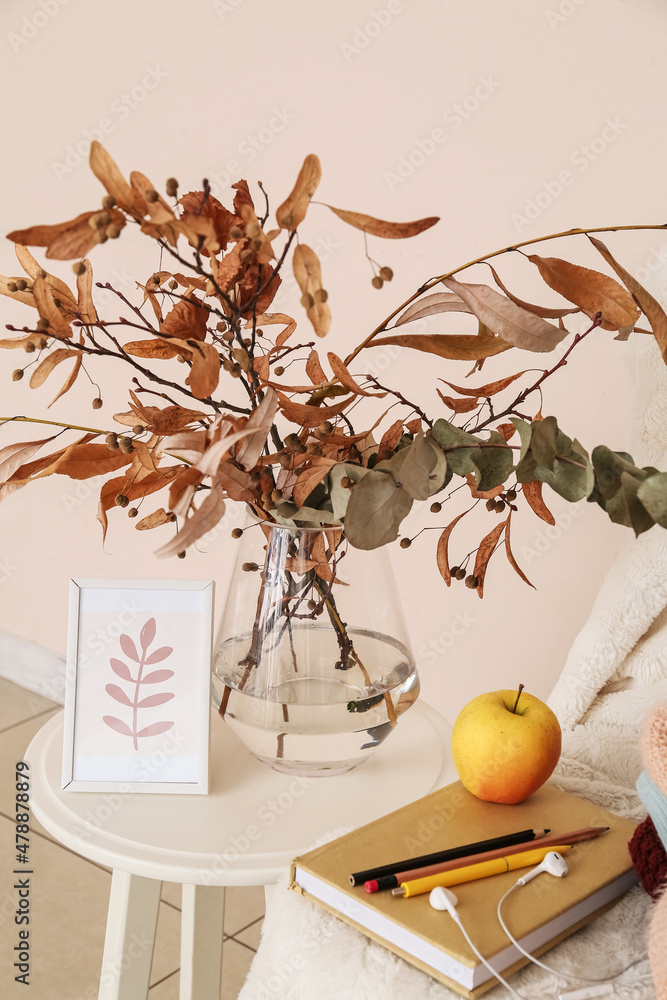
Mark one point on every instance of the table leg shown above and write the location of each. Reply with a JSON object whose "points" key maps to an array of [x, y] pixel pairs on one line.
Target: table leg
{"points": [[130, 937], [202, 917]]}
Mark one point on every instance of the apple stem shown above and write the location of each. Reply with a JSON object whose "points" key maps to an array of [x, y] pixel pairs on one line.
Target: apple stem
{"points": [[521, 686]]}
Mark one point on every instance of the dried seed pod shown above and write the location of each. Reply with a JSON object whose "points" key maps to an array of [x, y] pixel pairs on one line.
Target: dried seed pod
{"points": [[312, 605], [325, 428], [249, 567], [499, 506], [346, 482], [221, 326], [237, 532], [151, 195], [386, 273], [21, 284], [79, 267], [236, 233], [41, 343], [377, 281], [109, 202], [279, 370], [173, 284], [436, 507], [29, 347], [453, 570], [97, 403], [155, 277], [113, 232], [12, 286], [171, 187], [181, 555], [490, 504], [285, 461], [112, 441], [460, 574], [276, 496], [43, 323], [17, 375], [132, 512], [121, 500], [471, 582], [228, 336], [321, 295], [138, 429], [510, 495], [245, 256], [307, 300], [292, 441], [405, 543]]}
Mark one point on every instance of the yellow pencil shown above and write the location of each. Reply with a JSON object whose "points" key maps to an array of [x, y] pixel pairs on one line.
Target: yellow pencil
{"points": [[471, 872]]}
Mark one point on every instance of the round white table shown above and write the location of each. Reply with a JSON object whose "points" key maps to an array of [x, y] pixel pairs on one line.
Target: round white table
{"points": [[249, 827]]}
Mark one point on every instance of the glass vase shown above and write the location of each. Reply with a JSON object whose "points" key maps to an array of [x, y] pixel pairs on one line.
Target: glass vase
{"points": [[312, 668]]}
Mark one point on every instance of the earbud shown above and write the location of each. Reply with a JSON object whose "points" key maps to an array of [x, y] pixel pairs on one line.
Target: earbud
{"points": [[443, 899], [554, 864]]}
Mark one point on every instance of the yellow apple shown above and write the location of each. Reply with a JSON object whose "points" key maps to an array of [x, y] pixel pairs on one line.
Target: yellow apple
{"points": [[504, 746]]}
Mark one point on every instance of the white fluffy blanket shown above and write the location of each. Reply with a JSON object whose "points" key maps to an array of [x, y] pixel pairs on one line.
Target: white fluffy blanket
{"points": [[616, 670]]}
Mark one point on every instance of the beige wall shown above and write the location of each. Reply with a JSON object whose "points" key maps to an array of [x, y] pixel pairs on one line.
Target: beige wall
{"points": [[507, 119]]}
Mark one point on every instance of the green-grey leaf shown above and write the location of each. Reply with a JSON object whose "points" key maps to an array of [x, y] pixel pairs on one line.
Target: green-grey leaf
{"points": [[544, 442], [375, 510], [624, 507], [525, 433], [453, 440], [494, 463], [423, 469], [571, 481], [653, 495], [340, 495]]}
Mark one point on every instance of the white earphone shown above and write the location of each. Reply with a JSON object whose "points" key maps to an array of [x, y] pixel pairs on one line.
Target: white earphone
{"points": [[444, 899], [553, 863]]}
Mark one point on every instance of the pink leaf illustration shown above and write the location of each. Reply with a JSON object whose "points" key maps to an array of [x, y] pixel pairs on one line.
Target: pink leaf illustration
{"points": [[147, 633], [155, 729], [157, 676], [159, 654], [129, 648], [118, 694], [155, 699], [116, 724], [121, 669]]}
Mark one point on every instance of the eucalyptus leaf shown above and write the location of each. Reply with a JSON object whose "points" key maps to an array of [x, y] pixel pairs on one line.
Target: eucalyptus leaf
{"points": [[572, 476], [653, 495], [494, 463], [453, 440], [624, 507], [340, 495], [544, 441], [375, 510], [423, 469]]}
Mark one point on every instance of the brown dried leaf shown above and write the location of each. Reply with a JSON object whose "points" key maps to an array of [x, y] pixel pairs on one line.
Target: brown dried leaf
{"points": [[154, 520], [141, 487], [432, 305], [482, 494], [510, 555], [515, 325], [344, 377], [293, 210], [25, 296], [386, 230], [490, 389], [208, 515], [537, 310], [442, 551], [269, 319], [183, 489], [236, 483], [84, 286], [80, 234], [311, 416], [45, 367], [210, 460], [14, 343], [590, 290], [649, 306], [187, 320], [13, 456], [109, 175], [309, 479], [533, 494], [228, 271], [314, 369], [258, 427], [459, 405], [205, 370], [308, 273], [188, 446], [456, 347], [506, 431], [389, 440], [198, 207], [158, 349], [484, 552], [34, 269], [81, 461], [58, 325]]}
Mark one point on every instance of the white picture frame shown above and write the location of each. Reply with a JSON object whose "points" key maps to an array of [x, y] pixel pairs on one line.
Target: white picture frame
{"points": [[126, 728]]}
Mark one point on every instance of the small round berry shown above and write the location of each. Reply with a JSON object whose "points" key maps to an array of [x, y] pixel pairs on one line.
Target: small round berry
{"points": [[112, 441], [237, 532], [132, 512], [29, 347], [21, 284], [490, 504], [121, 500], [460, 573], [405, 543], [138, 429], [499, 506], [510, 495], [12, 286], [97, 403], [250, 567], [386, 273], [377, 281], [471, 582], [79, 267], [17, 374], [181, 555], [171, 187], [436, 507], [151, 195], [279, 370]]}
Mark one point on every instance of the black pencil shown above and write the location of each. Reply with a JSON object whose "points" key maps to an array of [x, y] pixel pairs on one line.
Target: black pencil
{"points": [[508, 840]]}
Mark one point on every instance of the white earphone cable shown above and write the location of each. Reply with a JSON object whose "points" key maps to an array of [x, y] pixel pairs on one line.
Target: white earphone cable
{"points": [[548, 968], [497, 975]]}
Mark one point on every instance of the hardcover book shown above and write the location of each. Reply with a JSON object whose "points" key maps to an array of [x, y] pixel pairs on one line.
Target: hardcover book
{"points": [[539, 914]]}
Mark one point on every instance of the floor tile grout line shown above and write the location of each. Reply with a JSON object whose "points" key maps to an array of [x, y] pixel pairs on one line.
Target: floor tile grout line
{"points": [[248, 926], [56, 843], [28, 718], [248, 946], [164, 979]]}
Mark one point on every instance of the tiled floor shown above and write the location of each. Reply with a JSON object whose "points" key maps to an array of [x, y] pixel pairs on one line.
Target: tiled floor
{"points": [[69, 896]]}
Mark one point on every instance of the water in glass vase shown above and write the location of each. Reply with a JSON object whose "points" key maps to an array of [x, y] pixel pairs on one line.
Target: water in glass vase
{"points": [[306, 715]]}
